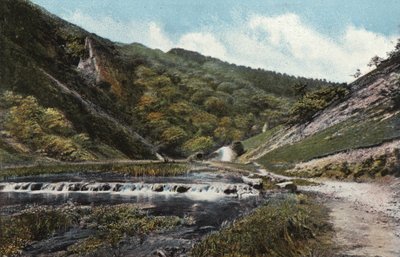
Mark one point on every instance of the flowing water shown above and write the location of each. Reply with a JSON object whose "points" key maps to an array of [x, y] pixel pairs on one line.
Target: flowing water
{"points": [[210, 198]]}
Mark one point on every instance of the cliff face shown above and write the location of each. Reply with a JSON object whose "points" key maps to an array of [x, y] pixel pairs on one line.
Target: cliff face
{"points": [[356, 136]]}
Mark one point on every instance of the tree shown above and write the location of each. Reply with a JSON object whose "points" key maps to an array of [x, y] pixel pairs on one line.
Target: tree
{"points": [[396, 50], [357, 74], [215, 105], [312, 102], [375, 61], [200, 143], [300, 89], [173, 136]]}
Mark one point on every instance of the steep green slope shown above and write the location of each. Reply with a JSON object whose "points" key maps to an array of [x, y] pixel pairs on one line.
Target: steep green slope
{"points": [[130, 99], [361, 130]]}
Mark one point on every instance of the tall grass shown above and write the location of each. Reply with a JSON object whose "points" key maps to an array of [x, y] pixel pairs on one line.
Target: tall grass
{"points": [[132, 169], [284, 228]]}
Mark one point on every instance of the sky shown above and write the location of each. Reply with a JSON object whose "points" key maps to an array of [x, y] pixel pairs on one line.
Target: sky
{"points": [[328, 39]]}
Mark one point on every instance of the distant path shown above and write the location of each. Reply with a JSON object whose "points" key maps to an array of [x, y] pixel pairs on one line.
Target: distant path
{"points": [[365, 216]]}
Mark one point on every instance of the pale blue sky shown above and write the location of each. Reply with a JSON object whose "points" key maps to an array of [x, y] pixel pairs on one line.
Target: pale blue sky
{"points": [[258, 33]]}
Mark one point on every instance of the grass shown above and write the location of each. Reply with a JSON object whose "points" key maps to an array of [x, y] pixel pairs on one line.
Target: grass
{"points": [[283, 227], [132, 169], [18, 231], [109, 223], [121, 221], [259, 139], [343, 136]]}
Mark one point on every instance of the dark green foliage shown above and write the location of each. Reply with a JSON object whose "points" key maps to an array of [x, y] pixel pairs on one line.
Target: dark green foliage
{"points": [[314, 101], [395, 51], [300, 89]]}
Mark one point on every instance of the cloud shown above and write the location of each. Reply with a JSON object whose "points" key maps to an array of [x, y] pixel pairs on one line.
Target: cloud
{"points": [[148, 33], [205, 43], [283, 43]]}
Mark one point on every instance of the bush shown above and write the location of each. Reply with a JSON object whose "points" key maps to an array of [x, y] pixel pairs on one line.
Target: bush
{"points": [[173, 136], [312, 102], [45, 130], [215, 105], [200, 143]]}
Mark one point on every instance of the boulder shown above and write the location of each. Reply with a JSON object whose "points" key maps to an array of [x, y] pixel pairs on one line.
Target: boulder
{"points": [[289, 185], [237, 147], [198, 156], [25, 186], [257, 183], [230, 190], [106, 187], [74, 187], [157, 188], [182, 189], [36, 186], [85, 187], [117, 187], [60, 187]]}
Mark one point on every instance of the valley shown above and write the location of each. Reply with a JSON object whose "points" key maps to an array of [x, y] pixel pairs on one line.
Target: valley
{"points": [[114, 149]]}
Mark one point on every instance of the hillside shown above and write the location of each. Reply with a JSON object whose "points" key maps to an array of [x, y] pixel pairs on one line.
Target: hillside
{"points": [[70, 95], [355, 136]]}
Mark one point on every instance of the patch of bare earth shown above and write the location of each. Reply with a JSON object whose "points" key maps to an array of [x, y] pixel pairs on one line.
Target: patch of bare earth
{"points": [[365, 216]]}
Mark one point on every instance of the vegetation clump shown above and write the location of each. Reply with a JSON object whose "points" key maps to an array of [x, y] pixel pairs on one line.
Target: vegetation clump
{"points": [[314, 101], [118, 222], [110, 224], [131, 169], [44, 130], [285, 227]]}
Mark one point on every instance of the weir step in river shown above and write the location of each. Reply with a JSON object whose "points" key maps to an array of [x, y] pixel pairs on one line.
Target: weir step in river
{"points": [[222, 189]]}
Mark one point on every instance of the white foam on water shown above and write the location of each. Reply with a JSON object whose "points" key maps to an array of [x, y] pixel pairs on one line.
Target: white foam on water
{"points": [[204, 191]]}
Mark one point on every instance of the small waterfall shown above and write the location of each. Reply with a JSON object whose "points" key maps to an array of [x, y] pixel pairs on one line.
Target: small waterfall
{"points": [[225, 154], [192, 190]]}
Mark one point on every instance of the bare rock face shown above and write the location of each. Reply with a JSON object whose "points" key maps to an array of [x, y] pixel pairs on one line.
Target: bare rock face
{"points": [[89, 67]]}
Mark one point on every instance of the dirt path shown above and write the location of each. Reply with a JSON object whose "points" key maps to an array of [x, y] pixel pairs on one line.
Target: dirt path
{"points": [[365, 216]]}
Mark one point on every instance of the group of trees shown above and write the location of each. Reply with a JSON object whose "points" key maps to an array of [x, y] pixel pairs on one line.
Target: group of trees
{"points": [[309, 103], [194, 114], [376, 60], [44, 130]]}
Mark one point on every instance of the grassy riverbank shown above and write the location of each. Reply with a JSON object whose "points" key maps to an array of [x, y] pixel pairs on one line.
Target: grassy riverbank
{"points": [[132, 169], [292, 227]]}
